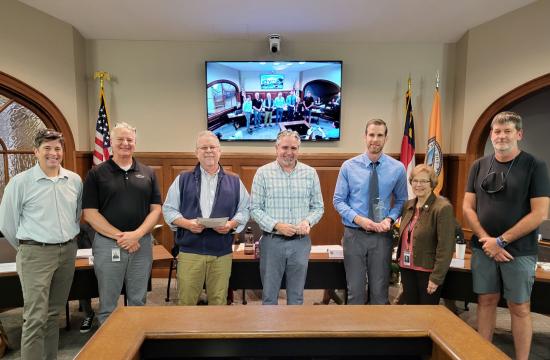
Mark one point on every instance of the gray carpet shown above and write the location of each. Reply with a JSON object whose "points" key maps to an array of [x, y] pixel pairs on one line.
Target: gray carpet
{"points": [[71, 341]]}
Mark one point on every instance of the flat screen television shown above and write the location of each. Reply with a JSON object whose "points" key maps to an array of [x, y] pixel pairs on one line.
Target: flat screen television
{"points": [[255, 100]]}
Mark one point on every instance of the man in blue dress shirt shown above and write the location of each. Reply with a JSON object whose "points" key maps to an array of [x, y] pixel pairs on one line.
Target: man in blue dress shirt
{"points": [[363, 196], [40, 214]]}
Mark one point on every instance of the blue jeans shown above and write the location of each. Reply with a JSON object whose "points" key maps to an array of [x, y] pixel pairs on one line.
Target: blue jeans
{"points": [[277, 257], [257, 118], [278, 115], [247, 116]]}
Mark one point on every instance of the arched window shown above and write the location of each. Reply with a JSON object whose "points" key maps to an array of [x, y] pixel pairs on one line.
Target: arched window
{"points": [[23, 111], [18, 125], [221, 96]]}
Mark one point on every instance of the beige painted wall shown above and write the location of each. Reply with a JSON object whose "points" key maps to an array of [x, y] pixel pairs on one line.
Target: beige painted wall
{"points": [[159, 87], [501, 55], [40, 51]]}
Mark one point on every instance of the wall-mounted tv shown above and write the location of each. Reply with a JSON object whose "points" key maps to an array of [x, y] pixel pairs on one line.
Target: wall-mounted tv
{"points": [[255, 100], [272, 81]]}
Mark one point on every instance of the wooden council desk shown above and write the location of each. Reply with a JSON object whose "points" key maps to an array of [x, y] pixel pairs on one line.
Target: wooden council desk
{"points": [[326, 273], [404, 332], [84, 284]]}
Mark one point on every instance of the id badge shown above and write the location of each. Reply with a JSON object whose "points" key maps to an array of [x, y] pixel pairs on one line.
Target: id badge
{"points": [[407, 258], [115, 254]]}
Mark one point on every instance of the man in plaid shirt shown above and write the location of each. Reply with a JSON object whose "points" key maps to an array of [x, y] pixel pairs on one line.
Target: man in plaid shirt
{"points": [[286, 201]]}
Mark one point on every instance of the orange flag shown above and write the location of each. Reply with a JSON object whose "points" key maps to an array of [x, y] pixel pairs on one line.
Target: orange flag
{"points": [[434, 153]]}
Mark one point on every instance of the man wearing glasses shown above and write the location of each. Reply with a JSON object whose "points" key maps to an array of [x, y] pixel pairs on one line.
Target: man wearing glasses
{"points": [[40, 213], [122, 203], [506, 200], [286, 201], [205, 253]]}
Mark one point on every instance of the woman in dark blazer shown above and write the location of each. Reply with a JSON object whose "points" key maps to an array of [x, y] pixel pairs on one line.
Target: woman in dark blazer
{"points": [[426, 242]]}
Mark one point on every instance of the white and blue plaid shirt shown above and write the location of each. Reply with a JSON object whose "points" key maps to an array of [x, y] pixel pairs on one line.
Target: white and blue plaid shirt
{"points": [[281, 197]]}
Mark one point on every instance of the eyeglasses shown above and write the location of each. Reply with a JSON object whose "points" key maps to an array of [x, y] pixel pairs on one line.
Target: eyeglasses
{"points": [[495, 182], [420, 181]]}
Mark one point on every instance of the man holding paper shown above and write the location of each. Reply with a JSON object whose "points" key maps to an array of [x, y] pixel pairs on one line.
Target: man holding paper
{"points": [[204, 206]]}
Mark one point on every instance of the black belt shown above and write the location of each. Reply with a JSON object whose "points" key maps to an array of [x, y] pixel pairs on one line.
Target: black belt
{"points": [[38, 243], [293, 237], [360, 229]]}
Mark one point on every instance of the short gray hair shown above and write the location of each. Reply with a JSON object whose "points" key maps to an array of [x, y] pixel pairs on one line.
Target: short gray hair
{"points": [[288, 133], [205, 133], [123, 125]]}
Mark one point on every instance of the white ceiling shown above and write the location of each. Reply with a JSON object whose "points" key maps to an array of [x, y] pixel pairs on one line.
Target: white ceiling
{"points": [[296, 20]]}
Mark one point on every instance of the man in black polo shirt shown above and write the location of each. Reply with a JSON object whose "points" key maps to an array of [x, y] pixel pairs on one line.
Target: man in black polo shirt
{"points": [[122, 202]]}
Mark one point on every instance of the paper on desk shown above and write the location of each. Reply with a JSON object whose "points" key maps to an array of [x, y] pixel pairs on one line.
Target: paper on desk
{"points": [[323, 249], [83, 253], [457, 263], [7, 267], [238, 247], [212, 222]]}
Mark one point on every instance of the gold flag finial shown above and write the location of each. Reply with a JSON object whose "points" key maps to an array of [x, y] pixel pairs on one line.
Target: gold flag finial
{"points": [[437, 80], [102, 75], [409, 83]]}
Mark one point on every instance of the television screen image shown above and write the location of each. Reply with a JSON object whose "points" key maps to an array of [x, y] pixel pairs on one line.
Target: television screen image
{"points": [[255, 100], [272, 81]]}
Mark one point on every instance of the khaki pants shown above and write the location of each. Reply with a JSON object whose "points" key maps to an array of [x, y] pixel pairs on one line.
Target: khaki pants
{"points": [[46, 274], [194, 270]]}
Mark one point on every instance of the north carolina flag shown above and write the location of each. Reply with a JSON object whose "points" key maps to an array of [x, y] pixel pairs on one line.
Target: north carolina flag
{"points": [[434, 154], [407, 144], [102, 149]]}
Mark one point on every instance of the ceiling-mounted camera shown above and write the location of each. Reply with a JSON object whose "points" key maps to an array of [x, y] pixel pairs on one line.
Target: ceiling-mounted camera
{"points": [[274, 43]]}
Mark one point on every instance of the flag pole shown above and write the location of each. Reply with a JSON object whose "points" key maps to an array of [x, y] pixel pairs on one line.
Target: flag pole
{"points": [[102, 141], [102, 76]]}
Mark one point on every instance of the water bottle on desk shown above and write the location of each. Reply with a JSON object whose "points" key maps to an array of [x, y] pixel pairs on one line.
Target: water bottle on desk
{"points": [[257, 249], [248, 241]]}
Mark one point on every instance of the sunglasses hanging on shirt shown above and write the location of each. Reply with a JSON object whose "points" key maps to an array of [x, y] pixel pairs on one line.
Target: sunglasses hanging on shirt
{"points": [[495, 182]]}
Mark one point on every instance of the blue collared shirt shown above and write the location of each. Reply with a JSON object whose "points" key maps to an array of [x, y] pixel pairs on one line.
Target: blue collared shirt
{"points": [[351, 194], [36, 207]]}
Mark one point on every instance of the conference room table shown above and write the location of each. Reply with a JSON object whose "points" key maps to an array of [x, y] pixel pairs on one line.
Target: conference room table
{"points": [[329, 273], [272, 332], [84, 284]]}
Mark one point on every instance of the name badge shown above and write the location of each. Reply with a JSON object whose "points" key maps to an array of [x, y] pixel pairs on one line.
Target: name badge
{"points": [[115, 254], [407, 258]]}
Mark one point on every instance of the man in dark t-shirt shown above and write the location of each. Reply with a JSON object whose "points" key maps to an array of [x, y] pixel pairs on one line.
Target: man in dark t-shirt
{"points": [[506, 199], [121, 201]]}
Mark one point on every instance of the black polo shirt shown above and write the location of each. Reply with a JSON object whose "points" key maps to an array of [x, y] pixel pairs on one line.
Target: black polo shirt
{"points": [[122, 197]]}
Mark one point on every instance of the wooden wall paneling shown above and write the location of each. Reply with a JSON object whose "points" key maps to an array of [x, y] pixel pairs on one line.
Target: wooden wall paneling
{"points": [[330, 229]]}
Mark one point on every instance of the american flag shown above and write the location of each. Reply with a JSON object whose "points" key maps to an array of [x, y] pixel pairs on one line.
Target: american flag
{"points": [[102, 150]]}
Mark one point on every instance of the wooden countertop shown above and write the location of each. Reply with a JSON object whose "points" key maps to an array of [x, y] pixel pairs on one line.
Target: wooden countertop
{"points": [[126, 329]]}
